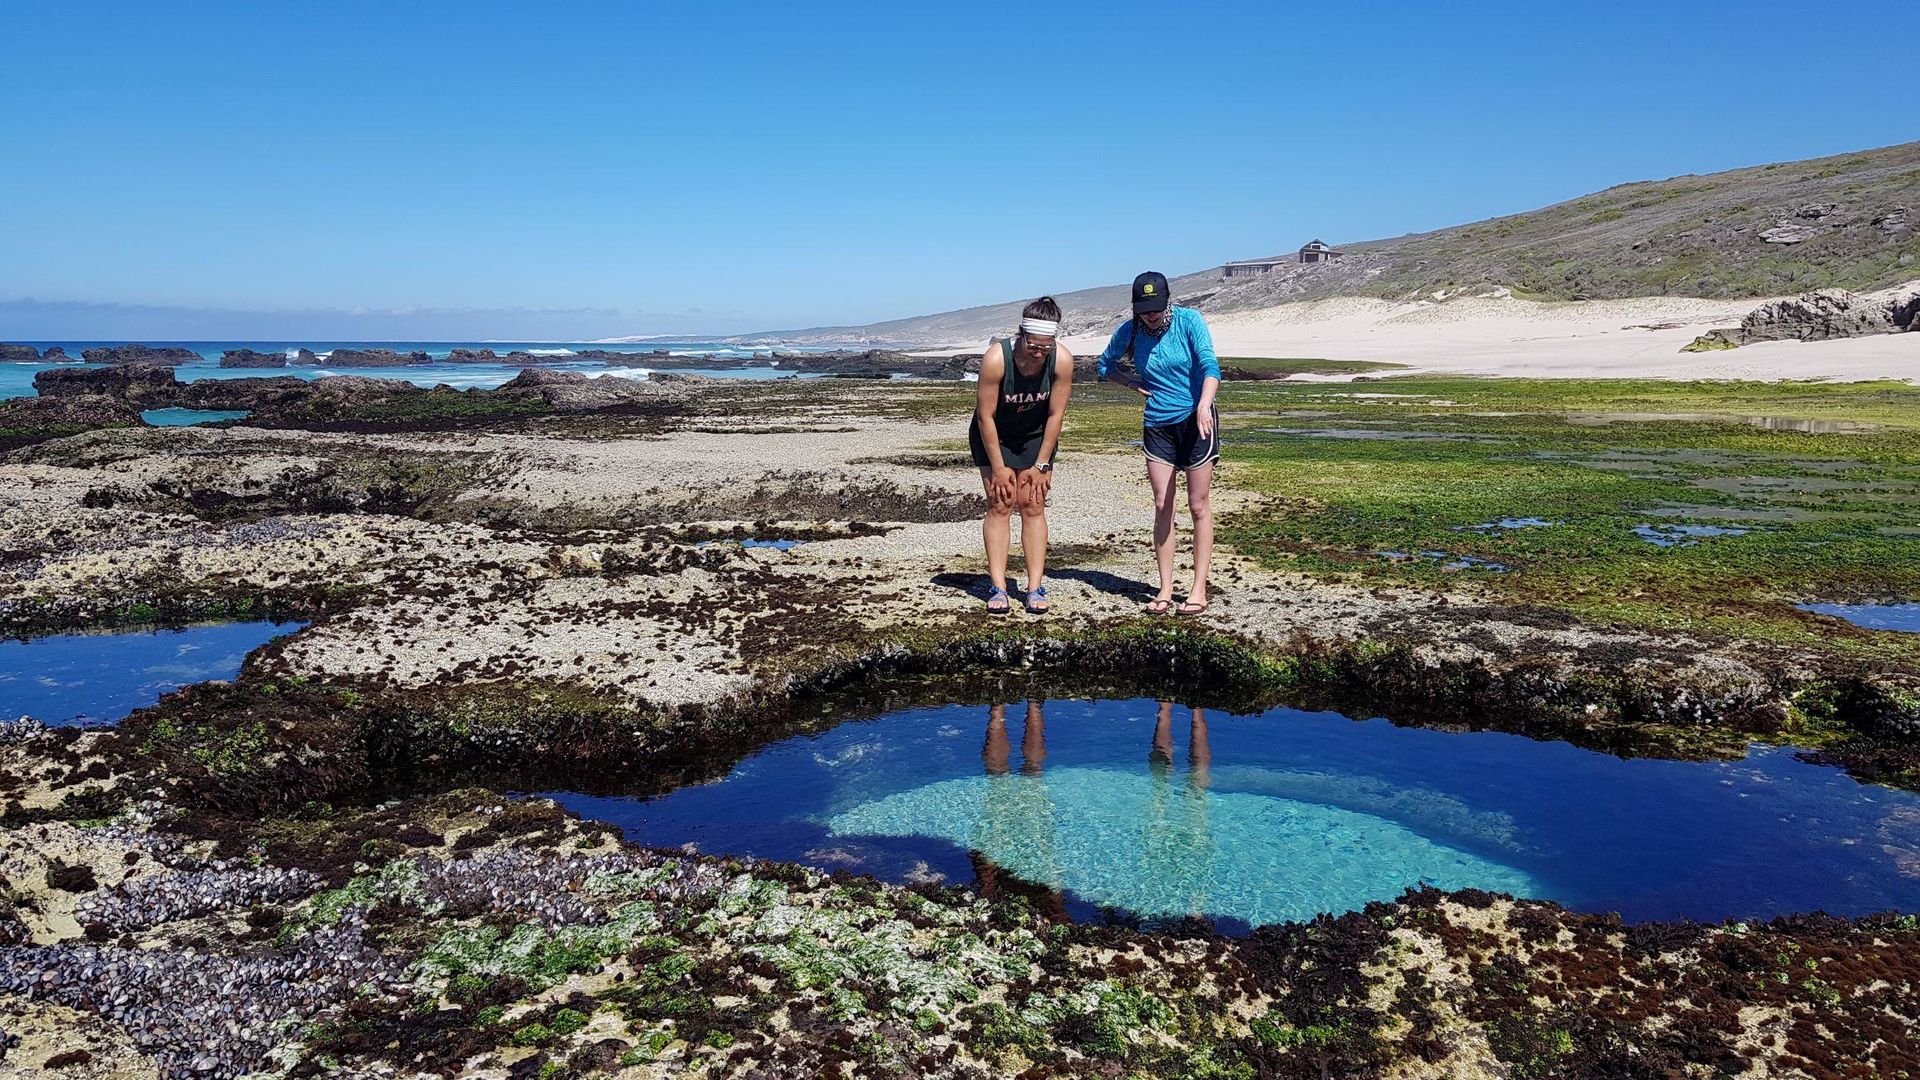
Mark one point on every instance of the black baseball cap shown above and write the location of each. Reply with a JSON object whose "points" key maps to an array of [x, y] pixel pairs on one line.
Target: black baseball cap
{"points": [[1150, 293]]}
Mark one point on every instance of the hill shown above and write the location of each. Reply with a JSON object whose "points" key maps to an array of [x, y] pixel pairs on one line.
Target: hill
{"points": [[1851, 221]]}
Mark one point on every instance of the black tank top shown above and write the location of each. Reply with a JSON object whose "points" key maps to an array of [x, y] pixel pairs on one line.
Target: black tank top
{"points": [[1024, 399]]}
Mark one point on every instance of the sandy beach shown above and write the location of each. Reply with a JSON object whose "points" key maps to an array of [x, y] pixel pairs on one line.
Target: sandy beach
{"points": [[1638, 338]]}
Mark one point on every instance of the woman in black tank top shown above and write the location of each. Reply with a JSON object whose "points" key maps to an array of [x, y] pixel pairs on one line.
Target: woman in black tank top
{"points": [[1025, 382]]}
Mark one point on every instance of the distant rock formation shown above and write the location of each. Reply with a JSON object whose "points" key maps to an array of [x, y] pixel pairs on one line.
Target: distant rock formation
{"points": [[140, 354], [571, 390], [27, 354], [305, 358], [518, 358], [132, 382], [372, 358], [248, 358], [1819, 316]]}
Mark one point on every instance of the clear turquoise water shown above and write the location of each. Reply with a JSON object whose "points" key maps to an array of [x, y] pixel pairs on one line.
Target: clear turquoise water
{"points": [[1255, 819], [1132, 839], [95, 678], [16, 380], [190, 417]]}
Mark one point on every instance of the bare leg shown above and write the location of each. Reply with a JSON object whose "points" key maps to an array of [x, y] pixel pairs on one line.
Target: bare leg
{"points": [[1160, 754], [1033, 530], [997, 751], [1033, 740], [997, 531], [1199, 751], [1199, 501], [1160, 476]]}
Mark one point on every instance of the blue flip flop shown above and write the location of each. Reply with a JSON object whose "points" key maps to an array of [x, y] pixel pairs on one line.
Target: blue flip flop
{"points": [[1039, 594], [1000, 595]]}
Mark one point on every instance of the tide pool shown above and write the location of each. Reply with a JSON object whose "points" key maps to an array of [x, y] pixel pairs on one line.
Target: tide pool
{"points": [[97, 678], [1161, 812], [190, 417]]}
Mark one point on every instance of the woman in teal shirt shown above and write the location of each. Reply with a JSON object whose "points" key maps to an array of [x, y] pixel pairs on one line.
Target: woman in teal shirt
{"points": [[1172, 351]]}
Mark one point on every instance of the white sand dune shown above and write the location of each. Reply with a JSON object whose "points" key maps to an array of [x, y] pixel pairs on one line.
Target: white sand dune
{"points": [[1638, 338]]}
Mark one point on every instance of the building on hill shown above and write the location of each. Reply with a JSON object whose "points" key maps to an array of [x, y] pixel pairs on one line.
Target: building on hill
{"points": [[1318, 252], [1252, 267], [1315, 252]]}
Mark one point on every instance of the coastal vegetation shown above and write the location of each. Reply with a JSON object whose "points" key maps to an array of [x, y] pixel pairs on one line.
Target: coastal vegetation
{"points": [[330, 829], [1563, 494]]}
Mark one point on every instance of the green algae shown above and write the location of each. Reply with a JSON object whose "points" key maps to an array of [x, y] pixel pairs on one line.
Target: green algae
{"points": [[1332, 504], [1102, 1017], [532, 952]]}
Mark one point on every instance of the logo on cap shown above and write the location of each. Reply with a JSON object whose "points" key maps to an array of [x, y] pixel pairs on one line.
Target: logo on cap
{"points": [[1147, 289]]}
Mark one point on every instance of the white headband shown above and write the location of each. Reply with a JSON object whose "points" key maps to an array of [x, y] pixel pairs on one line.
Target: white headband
{"points": [[1040, 327]]}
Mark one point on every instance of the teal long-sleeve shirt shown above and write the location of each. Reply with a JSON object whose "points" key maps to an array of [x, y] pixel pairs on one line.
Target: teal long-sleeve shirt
{"points": [[1174, 366]]}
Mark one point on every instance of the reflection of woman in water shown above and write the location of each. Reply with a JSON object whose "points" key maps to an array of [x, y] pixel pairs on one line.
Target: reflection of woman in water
{"points": [[1177, 844], [1016, 820]]}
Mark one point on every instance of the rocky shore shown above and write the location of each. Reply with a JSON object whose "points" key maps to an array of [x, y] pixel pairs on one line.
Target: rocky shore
{"points": [[312, 871]]}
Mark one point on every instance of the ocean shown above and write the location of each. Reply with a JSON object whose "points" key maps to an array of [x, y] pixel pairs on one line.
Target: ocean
{"points": [[16, 380]]}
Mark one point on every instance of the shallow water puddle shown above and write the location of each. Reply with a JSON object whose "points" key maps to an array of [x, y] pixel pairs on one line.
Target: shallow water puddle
{"points": [[754, 542], [1668, 536], [97, 678], [1447, 560], [1164, 811], [1902, 617], [1381, 434], [191, 417], [1507, 524], [1806, 425]]}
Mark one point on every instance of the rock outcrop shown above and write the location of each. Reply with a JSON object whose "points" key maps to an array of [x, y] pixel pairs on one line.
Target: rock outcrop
{"points": [[365, 358], [258, 394], [1832, 313], [248, 358], [571, 390], [518, 357], [18, 354], [1819, 316], [142, 383], [140, 354], [24, 421]]}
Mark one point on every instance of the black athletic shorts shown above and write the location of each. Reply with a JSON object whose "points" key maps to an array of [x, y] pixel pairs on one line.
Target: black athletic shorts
{"points": [[1019, 455], [1180, 445]]}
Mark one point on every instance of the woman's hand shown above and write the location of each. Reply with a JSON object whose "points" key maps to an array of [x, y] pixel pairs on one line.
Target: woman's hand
{"points": [[1139, 387], [1203, 419], [1041, 481], [1005, 484]]}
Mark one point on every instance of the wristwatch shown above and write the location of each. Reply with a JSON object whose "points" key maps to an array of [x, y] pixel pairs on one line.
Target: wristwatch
{"points": [[1045, 466]]}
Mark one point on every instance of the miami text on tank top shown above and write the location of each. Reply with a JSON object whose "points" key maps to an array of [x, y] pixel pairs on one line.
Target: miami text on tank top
{"points": [[1024, 393]]}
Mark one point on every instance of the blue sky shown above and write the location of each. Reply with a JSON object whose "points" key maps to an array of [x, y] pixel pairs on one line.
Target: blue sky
{"points": [[583, 169]]}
